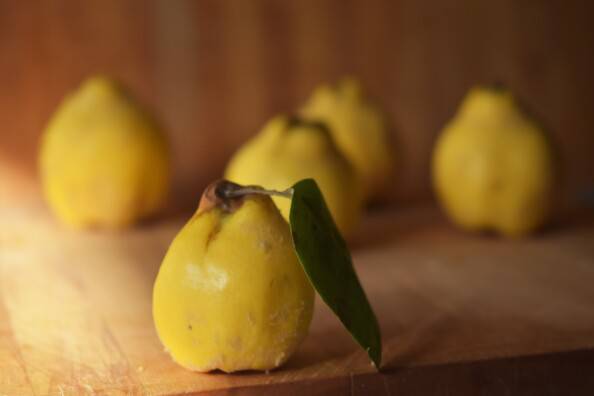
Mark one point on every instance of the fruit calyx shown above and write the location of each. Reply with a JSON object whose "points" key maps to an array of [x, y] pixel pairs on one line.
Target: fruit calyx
{"points": [[229, 196], [296, 121]]}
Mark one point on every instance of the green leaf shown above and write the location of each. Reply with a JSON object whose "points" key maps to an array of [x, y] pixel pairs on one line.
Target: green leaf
{"points": [[327, 262]]}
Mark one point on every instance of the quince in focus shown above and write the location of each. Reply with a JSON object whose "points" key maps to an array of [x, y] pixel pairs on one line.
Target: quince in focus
{"points": [[291, 149], [359, 128], [493, 166], [104, 161], [231, 293]]}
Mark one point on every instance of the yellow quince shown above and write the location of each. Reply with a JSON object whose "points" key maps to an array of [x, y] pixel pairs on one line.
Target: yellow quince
{"points": [[289, 149], [104, 162], [231, 293], [493, 166], [359, 128]]}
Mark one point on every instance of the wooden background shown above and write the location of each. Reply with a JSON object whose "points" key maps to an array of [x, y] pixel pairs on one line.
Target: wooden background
{"points": [[214, 71]]}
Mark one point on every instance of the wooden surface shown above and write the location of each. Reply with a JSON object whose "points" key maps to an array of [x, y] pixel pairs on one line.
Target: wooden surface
{"points": [[215, 70], [458, 313]]}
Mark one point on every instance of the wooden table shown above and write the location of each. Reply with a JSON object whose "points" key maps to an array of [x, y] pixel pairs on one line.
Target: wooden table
{"points": [[460, 314]]}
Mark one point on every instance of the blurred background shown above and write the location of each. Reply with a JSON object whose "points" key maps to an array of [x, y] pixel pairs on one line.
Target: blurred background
{"points": [[215, 71]]}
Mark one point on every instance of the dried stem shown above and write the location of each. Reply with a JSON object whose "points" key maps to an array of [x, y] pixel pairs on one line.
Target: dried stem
{"points": [[228, 195], [229, 190]]}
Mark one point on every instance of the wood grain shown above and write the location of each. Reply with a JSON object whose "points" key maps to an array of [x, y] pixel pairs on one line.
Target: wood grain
{"points": [[525, 376], [75, 311]]}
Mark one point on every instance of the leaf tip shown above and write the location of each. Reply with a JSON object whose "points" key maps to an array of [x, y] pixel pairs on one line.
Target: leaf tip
{"points": [[376, 358]]}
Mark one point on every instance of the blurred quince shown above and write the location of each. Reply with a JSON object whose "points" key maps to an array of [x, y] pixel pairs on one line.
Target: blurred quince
{"points": [[231, 293], [104, 161], [289, 149], [359, 128], [493, 166]]}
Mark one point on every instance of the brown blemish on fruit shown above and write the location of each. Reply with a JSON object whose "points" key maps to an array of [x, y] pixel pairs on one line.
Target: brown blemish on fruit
{"points": [[212, 234], [221, 194]]}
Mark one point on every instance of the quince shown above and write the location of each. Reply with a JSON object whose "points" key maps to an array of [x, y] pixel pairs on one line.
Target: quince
{"points": [[359, 129], [104, 162], [231, 293], [291, 149], [493, 166]]}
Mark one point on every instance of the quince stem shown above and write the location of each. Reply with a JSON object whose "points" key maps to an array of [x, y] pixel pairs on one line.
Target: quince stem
{"points": [[246, 190], [228, 195]]}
